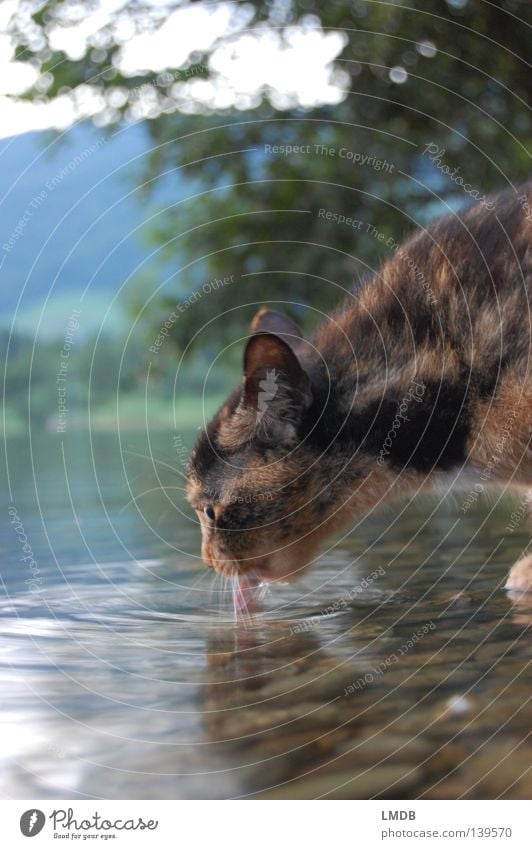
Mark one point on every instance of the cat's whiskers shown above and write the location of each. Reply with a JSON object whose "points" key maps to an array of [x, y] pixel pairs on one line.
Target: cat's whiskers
{"points": [[194, 587]]}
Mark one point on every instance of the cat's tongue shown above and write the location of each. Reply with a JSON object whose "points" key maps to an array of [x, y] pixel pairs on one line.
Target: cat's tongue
{"points": [[245, 592]]}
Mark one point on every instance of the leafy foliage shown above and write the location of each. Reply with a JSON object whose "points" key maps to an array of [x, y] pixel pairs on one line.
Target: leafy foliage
{"points": [[447, 73]]}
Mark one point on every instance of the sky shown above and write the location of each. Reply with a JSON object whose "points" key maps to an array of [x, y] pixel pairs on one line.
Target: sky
{"points": [[244, 65]]}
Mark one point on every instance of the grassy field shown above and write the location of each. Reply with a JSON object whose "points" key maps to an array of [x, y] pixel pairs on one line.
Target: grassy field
{"points": [[130, 412], [11, 423]]}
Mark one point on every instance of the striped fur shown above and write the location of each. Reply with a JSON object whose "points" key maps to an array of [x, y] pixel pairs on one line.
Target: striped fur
{"points": [[423, 371]]}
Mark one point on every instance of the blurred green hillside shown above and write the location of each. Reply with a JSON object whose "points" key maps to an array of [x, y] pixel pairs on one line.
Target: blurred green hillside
{"points": [[106, 385]]}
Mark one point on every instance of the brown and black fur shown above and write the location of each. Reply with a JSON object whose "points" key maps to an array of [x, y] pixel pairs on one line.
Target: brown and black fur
{"points": [[441, 334]]}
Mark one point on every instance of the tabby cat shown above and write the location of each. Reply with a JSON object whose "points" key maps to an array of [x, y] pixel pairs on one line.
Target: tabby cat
{"points": [[421, 378]]}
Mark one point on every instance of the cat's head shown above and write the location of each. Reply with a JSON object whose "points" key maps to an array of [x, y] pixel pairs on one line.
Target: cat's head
{"points": [[258, 485]]}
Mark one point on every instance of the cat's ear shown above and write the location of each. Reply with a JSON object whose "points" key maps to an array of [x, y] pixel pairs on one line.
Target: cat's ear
{"points": [[270, 321], [276, 387]]}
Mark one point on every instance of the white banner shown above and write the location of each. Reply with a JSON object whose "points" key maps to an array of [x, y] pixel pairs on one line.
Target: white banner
{"points": [[245, 823]]}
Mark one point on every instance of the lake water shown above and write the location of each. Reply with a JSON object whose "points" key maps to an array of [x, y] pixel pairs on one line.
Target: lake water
{"points": [[399, 667]]}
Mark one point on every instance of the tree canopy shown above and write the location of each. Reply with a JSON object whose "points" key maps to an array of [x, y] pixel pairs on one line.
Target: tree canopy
{"points": [[420, 107]]}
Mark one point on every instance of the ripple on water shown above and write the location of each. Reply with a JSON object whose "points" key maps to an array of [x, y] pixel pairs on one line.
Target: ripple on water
{"points": [[127, 669]]}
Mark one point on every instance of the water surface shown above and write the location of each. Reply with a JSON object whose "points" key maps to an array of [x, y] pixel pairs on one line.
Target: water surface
{"points": [[399, 667]]}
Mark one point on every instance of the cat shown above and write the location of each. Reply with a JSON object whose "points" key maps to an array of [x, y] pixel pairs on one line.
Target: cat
{"points": [[421, 378]]}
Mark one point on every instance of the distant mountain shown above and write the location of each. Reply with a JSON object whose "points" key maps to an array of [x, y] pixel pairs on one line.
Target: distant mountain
{"points": [[70, 222]]}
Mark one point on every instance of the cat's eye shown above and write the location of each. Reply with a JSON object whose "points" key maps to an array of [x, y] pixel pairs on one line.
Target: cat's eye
{"points": [[209, 512]]}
